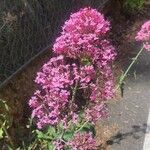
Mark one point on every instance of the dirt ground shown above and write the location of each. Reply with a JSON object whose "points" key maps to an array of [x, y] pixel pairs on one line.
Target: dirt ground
{"points": [[18, 91]]}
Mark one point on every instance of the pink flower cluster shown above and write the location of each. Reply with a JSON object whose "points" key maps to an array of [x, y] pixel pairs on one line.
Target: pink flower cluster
{"points": [[96, 112], [81, 72], [83, 141], [81, 33], [59, 145], [56, 79], [84, 36], [144, 35], [80, 141]]}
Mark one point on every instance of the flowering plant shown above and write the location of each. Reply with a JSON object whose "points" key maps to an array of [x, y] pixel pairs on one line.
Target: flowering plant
{"points": [[75, 84], [143, 36]]}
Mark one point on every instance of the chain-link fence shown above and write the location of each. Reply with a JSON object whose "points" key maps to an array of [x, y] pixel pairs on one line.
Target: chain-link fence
{"points": [[28, 26]]}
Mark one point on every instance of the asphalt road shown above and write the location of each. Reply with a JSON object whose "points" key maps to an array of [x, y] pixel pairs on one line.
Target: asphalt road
{"points": [[131, 113]]}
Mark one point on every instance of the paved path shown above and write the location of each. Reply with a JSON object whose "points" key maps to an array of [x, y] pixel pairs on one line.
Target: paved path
{"points": [[131, 113]]}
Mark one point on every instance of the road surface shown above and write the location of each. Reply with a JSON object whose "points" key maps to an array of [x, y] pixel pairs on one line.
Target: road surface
{"points": [[132, 112]]}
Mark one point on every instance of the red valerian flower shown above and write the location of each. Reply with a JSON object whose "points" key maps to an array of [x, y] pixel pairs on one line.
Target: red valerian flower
{"points": [[57, 80], [82, 71], [83, 141], [95, 113], [144, 35]]}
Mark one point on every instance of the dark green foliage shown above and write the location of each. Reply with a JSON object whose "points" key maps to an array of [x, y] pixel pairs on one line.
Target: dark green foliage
{"points": [[5, 123], [134, 5]]}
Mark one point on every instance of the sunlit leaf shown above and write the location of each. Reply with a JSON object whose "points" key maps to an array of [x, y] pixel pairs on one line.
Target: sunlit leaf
{"points": [[51, 146], [1, 133], [67, 136]]}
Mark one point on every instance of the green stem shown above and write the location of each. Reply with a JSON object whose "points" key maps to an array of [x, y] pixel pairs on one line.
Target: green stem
{"points": [[128, 69], [8, 136], [34, 145], [81, 127], [74, 93]]}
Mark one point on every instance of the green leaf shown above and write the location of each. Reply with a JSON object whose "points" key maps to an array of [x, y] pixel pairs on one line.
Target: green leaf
{"points": [[72, 127], [4, 115], [6, 107], [9, 148], [43, 136], [1, 133], [88, 127], [58, 135], [85, 61], [51, 131], [84, 129], [33, 145], [51, 146], [67, 136]]}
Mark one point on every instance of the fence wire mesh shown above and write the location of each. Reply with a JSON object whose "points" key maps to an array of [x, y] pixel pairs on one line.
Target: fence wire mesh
{"points": [[28, 26]]}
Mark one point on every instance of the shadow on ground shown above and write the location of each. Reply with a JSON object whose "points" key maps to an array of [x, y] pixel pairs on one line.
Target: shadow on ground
{"points": [[135, 133]]}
